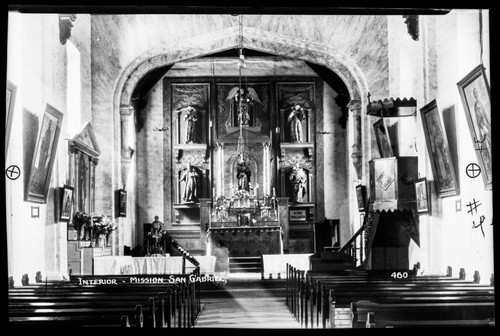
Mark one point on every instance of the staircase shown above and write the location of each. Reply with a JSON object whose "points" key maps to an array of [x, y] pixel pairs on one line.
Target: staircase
{"points": [[245, 264]]}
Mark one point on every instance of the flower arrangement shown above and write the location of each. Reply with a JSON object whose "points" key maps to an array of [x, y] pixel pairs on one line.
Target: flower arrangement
{"points": [[241, 194], [95, 226], [82, 220]]}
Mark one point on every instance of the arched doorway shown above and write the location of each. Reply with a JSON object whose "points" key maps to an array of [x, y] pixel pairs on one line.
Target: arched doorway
{"points": [[162, 58]]}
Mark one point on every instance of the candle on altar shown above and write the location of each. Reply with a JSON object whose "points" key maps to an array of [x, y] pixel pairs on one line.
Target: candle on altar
{"points": [[274, 191]]}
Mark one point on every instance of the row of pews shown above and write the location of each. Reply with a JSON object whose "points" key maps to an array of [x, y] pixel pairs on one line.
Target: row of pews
{"points": [[143, 301], [367, 299]]}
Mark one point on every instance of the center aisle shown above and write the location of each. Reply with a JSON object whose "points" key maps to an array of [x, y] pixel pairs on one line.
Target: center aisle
{"points": [[246, 302]]}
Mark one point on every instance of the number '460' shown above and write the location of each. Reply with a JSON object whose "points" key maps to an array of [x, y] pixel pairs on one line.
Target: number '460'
{"points": [[399, 275]]}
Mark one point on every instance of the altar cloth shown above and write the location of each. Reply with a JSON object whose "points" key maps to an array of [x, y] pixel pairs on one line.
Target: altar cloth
{"points": [[276, 263], [111, 265]]}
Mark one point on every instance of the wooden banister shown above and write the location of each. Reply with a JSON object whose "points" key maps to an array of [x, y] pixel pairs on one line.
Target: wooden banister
{"points": [[359, 231], [353, 238]]}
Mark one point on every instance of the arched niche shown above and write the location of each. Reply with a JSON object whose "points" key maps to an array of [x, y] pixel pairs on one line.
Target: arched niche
{"points": [[251, 162], [288, 184]]}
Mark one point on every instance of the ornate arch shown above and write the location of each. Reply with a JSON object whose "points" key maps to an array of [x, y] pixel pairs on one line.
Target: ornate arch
{"points": [[226, 39]]}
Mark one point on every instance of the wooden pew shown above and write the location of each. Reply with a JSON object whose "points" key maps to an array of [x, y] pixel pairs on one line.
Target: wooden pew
{"points": [[339, 317], [160, 306], [363, 282], [372, 323], [340, 297], [165, 310], [365, 314], [312, 299]]}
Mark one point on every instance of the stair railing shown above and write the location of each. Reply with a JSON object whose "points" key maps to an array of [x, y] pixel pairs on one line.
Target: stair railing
{"points": [[176, 249], [356, 243]]}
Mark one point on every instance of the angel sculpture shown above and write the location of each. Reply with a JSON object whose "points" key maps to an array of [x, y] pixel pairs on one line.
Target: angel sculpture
{"points": [[244, 98]]}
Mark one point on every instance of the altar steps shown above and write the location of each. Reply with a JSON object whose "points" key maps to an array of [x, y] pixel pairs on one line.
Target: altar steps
{"points": [[245, 264]]}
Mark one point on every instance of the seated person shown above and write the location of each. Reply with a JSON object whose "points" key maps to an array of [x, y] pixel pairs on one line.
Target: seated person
{"points": [[156, 237]]}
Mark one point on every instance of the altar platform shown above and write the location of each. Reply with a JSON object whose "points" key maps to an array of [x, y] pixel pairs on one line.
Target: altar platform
{"points": [[116, 265]]}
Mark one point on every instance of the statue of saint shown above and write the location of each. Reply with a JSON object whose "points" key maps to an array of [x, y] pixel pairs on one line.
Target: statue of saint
{"points": [[298, 178], [243, 174], [191, 178], [295, 119], [191, 118]]}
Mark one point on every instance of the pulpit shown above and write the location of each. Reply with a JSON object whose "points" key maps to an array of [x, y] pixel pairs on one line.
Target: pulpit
{"points": [[392, 220]]}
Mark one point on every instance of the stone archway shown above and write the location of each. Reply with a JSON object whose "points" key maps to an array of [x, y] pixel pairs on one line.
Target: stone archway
{"points": [[260, 40], [263, 41]]}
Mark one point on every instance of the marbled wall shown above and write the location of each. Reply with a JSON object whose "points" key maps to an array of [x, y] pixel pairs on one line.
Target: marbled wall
{"points": [[335, 163], [123, 44], [150, 172]]}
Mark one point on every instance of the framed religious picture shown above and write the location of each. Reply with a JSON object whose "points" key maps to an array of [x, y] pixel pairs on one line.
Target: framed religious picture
{"points": [[383, 140], [9, 110], [475, 94], [122, 203], [43, 156], [421, 195], [361, 197], [439, 152], [67, 202]]}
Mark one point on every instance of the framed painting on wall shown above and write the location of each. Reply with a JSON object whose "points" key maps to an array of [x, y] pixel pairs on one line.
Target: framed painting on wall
{"points": [[439, 152], [43, 156], [361, 197], [475, 94], [122, 203], [9, 110], [422, 195], [383, 140], [67, 202]]}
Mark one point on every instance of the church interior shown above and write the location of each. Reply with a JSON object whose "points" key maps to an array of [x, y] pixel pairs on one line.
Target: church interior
{"points": [[136, 143]]}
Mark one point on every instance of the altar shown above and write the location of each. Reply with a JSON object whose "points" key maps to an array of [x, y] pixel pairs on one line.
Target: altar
{"points": [[248, 241]]}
